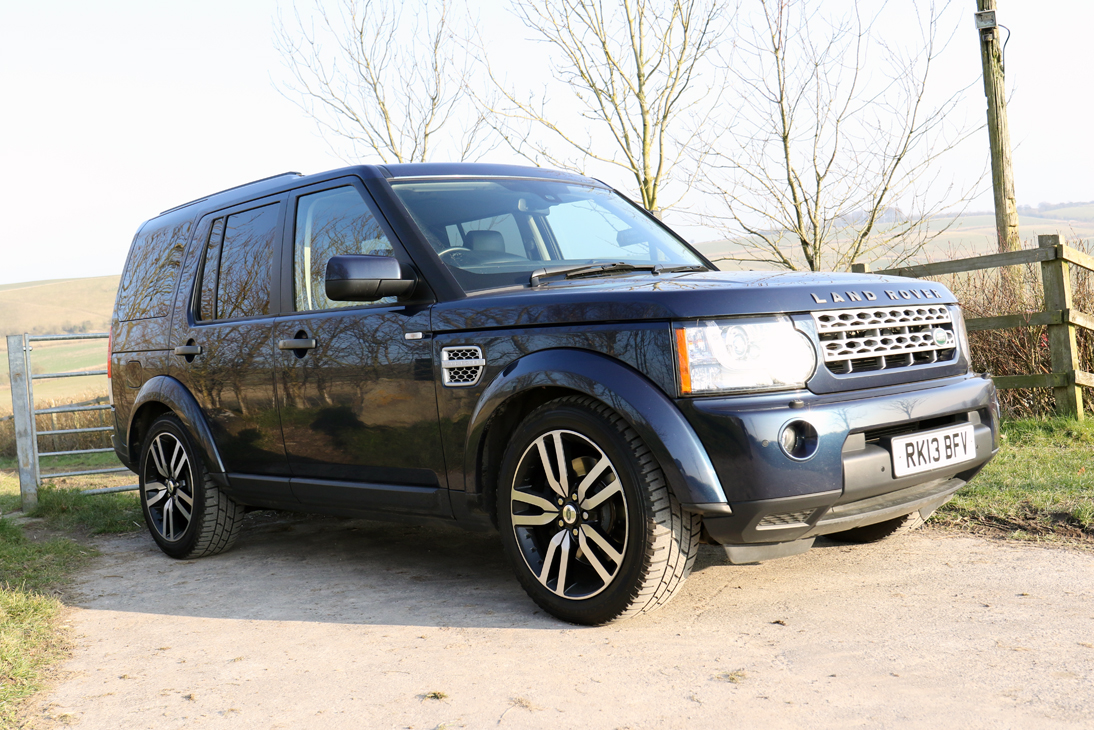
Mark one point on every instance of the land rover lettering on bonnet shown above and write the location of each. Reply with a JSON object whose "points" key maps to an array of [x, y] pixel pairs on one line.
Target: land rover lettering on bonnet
{"points": [[527, 351]]}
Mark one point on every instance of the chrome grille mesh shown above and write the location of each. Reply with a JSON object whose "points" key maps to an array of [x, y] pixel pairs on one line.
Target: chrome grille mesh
{"points": [[882, 338], [461, 366], [786, 519]]}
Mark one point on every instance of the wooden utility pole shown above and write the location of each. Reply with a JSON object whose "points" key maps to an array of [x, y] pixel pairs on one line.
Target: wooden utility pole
{"points": [[1002, 174]]}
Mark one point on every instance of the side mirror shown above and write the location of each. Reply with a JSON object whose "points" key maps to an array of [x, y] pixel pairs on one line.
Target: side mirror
{"points": [[362, 278]]}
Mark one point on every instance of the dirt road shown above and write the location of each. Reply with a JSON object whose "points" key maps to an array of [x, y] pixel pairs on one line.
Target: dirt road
{"points": [[321, 623]]}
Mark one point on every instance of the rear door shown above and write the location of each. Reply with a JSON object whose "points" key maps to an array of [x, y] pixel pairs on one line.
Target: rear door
{"points": [[358, 405], [224, 351]]}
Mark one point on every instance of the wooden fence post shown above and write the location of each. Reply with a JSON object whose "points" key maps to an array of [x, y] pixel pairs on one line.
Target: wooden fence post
{"points": [[1056, 280]]}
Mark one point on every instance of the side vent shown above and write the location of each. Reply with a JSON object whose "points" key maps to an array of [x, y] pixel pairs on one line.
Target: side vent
{"points": [[461, 367]]}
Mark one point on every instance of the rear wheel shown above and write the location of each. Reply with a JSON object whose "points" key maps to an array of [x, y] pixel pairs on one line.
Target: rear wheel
{"points": [[879, 530], [586, 517], [187, 514]]}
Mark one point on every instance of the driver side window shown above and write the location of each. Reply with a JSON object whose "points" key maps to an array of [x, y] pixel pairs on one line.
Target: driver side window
{"points": [[332, 223]]}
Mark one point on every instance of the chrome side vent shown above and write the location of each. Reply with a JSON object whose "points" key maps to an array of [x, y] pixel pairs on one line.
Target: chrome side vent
{"points": [[461, 367], [883, 338]]}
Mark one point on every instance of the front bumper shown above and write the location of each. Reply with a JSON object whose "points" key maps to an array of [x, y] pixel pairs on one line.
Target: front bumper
{"points": [[848, 481]]}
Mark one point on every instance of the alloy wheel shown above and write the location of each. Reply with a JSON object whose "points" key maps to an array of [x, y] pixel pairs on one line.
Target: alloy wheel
{"points": [[569, 514], [168, 486]]}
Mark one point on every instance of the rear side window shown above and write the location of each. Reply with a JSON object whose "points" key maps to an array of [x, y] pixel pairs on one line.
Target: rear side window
{"points": [[235, 278], [332, 223], [210, 269], [152, 271]]}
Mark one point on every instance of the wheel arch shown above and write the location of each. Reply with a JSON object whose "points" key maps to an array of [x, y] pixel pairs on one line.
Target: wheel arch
{"points": [[545, 375], [163, 394]]}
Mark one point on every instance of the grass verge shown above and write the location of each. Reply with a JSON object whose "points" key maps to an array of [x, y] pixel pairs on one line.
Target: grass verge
{"points": [[34, 564], [96, 514], [1040, 486], [30, 634]]}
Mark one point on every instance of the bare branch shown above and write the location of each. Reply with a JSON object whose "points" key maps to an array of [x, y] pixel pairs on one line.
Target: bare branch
{"points": [[837, 140], [634, 67], [383, 79]]}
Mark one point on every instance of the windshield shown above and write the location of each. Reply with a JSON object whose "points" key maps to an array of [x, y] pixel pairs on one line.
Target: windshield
{"points": [[497, 232]]}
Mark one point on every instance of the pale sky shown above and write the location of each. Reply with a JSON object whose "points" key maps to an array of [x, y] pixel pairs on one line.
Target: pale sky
{"points": [[114, 111]]}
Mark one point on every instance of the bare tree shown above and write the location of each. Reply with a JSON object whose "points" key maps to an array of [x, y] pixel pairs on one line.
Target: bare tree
{"points": [[383, 80], [635, 68], [835, 140]]}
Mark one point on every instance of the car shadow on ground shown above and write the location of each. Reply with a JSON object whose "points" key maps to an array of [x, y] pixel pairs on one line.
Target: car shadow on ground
{"points": [[295, 567]]}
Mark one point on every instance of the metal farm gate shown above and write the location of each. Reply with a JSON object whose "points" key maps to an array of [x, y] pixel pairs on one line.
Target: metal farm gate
{"points": [[26, 421]]}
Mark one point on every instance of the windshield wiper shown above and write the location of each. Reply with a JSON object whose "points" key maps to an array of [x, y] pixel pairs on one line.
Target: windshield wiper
{"points": [[620, 267], [683, 267]]}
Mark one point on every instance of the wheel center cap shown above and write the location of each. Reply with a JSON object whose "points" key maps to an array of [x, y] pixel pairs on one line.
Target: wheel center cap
{"points": [[569, 514]]}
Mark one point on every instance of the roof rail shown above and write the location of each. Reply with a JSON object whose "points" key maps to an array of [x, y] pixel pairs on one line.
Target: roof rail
{"points": [[234, 187]]}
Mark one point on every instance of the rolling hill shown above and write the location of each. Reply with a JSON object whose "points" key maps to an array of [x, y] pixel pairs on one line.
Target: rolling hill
{"points": [[53, 307], [57, 305]]}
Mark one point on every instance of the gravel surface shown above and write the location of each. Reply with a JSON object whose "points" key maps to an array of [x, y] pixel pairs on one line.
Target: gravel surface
{"points": [[313, 622]]}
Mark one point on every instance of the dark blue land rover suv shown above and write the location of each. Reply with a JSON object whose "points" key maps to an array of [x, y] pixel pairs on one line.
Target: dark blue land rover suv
{"points": [[526, 350]]}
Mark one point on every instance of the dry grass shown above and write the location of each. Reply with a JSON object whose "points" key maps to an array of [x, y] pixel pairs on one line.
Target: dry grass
{"points": [[55, 421], [1022, 351]]}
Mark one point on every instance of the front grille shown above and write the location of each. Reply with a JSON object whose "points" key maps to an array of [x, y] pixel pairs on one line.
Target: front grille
{"points": [[461, 366], [881, 338], [786, 519], [886, 432]]}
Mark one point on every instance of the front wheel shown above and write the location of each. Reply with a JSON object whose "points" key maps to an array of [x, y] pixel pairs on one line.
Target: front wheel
{"points": [[187, 514], [586, 517]]}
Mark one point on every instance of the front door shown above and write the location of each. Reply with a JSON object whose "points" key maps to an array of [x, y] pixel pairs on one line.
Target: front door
{"points": [[355, 380]]}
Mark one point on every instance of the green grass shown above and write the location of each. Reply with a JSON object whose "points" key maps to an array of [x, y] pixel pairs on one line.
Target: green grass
{"points": [[30, 634], [1039, 486], [96, 514], [75, 462]]}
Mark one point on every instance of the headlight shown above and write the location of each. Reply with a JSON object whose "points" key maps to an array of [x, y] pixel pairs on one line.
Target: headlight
{"points": [[743, 354], [958, 318]]}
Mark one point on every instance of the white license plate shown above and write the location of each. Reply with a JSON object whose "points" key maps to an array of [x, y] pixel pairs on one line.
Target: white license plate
{"points": [[933, 449]]}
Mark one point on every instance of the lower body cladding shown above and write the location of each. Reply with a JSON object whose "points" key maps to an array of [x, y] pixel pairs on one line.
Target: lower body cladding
{"points": [[795, 466]]}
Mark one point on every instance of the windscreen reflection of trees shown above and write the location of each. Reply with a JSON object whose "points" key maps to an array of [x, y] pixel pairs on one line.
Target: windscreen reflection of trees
{"points": [[332, 223], [244, 289], [152, 273]]}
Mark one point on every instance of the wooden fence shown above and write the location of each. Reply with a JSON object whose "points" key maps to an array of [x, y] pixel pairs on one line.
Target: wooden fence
{"points": [[1061, 319]]}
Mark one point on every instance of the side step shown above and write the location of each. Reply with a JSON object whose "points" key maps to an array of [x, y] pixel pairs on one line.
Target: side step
{"points": [[745, 554]]}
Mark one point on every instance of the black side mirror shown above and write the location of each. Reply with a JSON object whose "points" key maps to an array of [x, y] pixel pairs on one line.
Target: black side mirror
{"points": [[362, 278]]}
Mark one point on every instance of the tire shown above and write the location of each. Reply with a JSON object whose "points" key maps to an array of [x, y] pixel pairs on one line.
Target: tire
{"points": [[187, 514], [605, 539], [878, 530]]}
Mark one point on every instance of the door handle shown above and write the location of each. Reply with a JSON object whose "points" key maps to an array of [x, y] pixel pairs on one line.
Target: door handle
{"points": [[301, 344], [188, 350]]}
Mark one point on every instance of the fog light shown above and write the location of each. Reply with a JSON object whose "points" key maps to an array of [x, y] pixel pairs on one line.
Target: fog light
{"points": [[798, 440]]}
